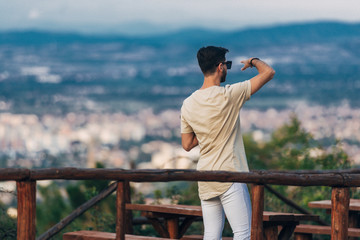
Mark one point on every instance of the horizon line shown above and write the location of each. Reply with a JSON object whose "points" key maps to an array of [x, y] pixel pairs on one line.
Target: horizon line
{"points": [[162, 30]]}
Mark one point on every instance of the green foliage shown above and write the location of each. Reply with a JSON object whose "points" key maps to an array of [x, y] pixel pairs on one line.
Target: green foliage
{"points": [[52, 208], [173, 193], [292, 148], [7, 225], [76, 195], [157, 195], [190, 195], [58, 202], [137, 197]]}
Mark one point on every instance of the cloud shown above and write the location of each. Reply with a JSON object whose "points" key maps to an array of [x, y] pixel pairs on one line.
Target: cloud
{"points": [[34, 14]]}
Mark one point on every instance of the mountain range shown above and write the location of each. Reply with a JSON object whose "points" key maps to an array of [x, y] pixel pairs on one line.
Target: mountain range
{"points": [[58, 72]]}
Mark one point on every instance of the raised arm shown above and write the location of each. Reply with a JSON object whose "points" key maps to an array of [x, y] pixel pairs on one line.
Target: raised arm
{"points": [[266, 73], [189, 141]]}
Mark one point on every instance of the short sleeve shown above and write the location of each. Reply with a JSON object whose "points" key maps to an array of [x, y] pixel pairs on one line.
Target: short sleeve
{"points": [[239, 93], [185, 127]]}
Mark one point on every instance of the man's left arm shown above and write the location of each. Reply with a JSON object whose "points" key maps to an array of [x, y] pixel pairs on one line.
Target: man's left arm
{"points": [[189, 141], [266, 73]]}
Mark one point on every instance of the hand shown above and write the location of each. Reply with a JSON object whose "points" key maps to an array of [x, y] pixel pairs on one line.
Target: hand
{"points": [[246, 64]]}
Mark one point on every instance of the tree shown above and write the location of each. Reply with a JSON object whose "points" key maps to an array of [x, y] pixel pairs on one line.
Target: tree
{"points": [[7, 225], [292, 148], [58, 201]]}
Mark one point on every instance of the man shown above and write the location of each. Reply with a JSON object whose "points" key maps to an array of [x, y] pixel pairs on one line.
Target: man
{"points": [[210, 119]]}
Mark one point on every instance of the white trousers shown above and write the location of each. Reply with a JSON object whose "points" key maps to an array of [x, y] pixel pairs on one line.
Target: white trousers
{"points": [[235, 204]]}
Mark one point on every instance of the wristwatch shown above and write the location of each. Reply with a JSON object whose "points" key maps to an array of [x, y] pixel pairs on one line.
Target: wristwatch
{"points": [[251, 64]]}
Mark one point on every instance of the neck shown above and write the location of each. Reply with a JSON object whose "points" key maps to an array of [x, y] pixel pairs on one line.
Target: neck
{"points": [[210, 81]]}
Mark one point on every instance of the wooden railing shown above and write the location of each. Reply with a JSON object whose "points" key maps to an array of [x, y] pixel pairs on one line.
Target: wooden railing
{"points": [[340, 181]]}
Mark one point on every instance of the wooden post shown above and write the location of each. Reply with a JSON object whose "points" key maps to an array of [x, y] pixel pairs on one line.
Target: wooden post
{"points": [[173, 227], [26, 197], [303, 236], [340, 198], [257, 229], [271, 233], [128, 213], [120, 211]]}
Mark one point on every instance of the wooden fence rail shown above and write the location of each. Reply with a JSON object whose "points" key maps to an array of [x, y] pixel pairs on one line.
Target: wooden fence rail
{"points": [[340, 181], [344, 178]]}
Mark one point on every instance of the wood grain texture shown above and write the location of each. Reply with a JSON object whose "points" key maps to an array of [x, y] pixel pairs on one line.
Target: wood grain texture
{"points": [[257, 195], [340, 198], [120, 211], [348, 178], [323, 230], [26, 197], [95, 235]]}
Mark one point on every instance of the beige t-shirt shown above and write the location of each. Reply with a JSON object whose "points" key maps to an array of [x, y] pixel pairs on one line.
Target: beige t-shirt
{"points": [[213, 115]]}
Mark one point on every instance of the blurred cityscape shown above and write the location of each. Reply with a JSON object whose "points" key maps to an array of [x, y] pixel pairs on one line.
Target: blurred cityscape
{"points": [[148, 140]]}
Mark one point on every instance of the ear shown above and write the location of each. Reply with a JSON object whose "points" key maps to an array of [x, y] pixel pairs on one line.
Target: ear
{"points": [[220, 67]]}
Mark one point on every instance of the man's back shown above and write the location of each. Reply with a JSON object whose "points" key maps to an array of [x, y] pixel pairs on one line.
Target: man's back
{"points": [[213, 115]]}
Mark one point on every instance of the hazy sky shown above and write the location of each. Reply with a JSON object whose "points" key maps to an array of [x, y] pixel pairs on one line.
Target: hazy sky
{"points": [[143, 16]]}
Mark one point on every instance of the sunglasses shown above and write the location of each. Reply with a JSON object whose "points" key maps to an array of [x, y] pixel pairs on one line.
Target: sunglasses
{"points": [[228, 64]]}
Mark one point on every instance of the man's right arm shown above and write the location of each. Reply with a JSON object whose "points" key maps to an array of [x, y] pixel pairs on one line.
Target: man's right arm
{"points": [[189, 141], [266, 73]]}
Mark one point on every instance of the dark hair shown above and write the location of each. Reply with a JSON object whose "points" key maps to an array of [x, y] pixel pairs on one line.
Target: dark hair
{"points": [[209, 57]]}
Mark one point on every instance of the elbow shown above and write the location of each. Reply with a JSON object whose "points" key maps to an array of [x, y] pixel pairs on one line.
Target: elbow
{"points": [[187, 147], [271, 74], [188, 141]]}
